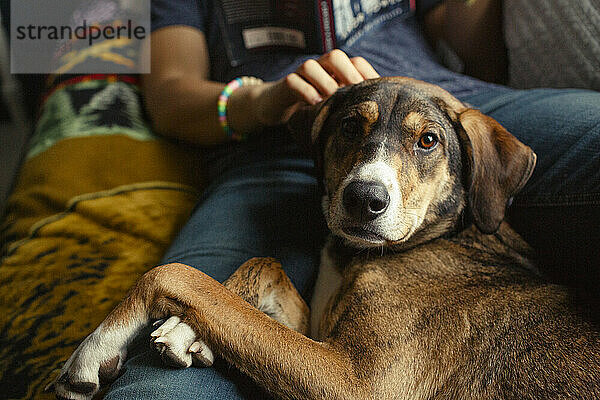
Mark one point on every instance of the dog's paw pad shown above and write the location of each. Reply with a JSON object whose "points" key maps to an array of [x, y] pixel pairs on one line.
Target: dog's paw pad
{"points": [[173, 340], [69, 387], [202, 356], [71, 384], [110, 370]]}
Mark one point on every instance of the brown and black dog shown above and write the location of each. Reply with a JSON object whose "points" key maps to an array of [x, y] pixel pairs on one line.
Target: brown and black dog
{"points": [[423, 292]]}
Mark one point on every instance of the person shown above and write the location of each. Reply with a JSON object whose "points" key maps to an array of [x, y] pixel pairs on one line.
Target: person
{"points": [[263, 199]]}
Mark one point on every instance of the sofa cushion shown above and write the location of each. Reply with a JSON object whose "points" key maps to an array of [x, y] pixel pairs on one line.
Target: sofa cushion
{"points": [[553, 43]]}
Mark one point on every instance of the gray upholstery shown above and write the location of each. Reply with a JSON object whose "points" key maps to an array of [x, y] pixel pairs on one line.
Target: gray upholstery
{"points": [[553, 43]]}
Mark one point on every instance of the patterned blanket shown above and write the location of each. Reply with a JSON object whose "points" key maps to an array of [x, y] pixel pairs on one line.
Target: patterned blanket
{"points": [[98, 200]]}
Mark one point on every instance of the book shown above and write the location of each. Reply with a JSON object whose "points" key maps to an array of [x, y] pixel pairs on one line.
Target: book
{"points": [[251, 27]]}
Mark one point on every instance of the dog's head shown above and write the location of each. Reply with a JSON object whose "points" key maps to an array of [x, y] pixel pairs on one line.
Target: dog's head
{"points": [[403, 161]]}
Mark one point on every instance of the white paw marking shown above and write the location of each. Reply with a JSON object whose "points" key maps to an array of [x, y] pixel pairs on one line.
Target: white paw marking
{"points": [[98, 360], [178, 345], [94, 362]]}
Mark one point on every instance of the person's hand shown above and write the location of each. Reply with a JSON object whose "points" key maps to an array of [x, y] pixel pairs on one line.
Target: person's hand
{"points": [[313, 82]]}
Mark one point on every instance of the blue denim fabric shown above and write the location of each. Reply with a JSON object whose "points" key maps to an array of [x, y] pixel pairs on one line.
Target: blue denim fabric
{"points": [[264, 202]]}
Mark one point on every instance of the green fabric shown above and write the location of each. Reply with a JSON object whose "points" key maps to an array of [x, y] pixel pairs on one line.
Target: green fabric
{"points": [[90, 108]]}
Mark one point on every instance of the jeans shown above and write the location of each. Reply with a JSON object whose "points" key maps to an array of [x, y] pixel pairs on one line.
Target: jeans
{"points": [[264, 201]]}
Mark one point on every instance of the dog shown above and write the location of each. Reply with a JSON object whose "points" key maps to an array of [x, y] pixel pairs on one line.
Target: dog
{"points": [[423, 291]]}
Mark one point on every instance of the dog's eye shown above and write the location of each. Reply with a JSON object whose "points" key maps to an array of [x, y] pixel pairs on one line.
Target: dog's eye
{"points": [[350, 127], [428, 141]]}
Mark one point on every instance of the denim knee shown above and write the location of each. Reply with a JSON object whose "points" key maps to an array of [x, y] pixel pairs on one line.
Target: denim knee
{"points": [[563, 127]]}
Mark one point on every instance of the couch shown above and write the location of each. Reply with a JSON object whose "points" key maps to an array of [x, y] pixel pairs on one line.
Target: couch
{"points": [[97, 201]]}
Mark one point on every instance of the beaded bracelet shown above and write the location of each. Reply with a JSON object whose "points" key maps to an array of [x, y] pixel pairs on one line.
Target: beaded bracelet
{"points": [[224, 99]]}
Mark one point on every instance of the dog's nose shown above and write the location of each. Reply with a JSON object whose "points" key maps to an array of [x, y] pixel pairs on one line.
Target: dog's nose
{"points": [[365, 201]]}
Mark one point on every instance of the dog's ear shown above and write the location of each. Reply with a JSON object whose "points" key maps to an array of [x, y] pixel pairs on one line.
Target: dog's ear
{"points": [[306, 123], [498, 166]]}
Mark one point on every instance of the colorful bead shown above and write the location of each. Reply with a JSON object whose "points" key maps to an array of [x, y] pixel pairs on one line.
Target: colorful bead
{"points": [[224, 98]]}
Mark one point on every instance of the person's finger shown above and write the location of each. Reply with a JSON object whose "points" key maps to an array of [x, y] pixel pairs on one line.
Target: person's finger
{"points": [[288, 112], [364, 67], [337, 63], [314, 73], [303, 90]]}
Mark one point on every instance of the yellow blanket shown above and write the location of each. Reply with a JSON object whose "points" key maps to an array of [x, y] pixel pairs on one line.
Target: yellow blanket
{"points": [[97, 203]]}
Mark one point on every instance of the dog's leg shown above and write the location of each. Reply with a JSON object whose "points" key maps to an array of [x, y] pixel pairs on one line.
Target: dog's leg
{"points": [[287, 363], [262, 283], [99, 358]]}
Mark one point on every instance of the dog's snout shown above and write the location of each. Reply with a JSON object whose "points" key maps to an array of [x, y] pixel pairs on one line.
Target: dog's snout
{"points": [[365, 201]]}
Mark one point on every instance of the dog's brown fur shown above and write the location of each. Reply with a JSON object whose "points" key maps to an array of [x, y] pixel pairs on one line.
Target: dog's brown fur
{"points": [[446, 312]]}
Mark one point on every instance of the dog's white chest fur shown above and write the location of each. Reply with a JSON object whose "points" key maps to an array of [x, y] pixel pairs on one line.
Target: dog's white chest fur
{"points": [[328, 283]]}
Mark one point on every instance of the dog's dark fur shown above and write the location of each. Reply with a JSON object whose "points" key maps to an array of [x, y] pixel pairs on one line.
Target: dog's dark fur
{"points": [[434, 298], [477, 319]]}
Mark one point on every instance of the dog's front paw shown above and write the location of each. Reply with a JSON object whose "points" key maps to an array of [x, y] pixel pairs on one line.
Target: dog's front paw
{"points": [[92, 364], [179, 346]]}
